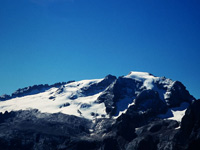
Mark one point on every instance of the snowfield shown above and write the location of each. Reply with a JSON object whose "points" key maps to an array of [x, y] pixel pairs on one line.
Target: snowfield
{"points": [[51, 101]]}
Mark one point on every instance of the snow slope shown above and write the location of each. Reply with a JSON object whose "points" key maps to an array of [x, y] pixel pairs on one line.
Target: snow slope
{"points": [[52, 101]]}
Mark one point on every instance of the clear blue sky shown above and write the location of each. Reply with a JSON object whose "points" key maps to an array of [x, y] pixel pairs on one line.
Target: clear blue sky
{"points": [[48, 41]]}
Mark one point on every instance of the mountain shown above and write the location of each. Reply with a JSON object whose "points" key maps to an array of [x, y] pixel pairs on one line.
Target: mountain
{"points": [[136, 111]]}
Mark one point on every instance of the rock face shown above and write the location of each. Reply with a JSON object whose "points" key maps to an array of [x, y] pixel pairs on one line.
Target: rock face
{"points": [[177, 93], [149, 100], [26, 130], [102, 114], [189, 134], [155, 135], [4, 97], [119, 89]]}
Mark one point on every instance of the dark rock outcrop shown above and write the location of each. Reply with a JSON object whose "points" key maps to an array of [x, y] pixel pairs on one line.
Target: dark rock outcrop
{"points": [[95, 88], [5, 97], [189, 134], [32, 130], [121, 88], [156, 135], [35, 89], [150, 100], [178, 94]]}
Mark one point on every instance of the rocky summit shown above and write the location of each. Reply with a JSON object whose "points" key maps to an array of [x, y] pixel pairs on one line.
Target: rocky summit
{"points": [[138, 111]]}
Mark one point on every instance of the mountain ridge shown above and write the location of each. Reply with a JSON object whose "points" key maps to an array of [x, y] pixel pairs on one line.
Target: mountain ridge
{"points": [[134, 112], [105, 97]]}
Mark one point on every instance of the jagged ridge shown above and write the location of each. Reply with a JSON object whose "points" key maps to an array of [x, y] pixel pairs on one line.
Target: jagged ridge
{"points": [[35, 89]]}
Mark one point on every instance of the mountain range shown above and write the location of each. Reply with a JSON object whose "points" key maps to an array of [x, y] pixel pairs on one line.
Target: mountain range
{"points": [[138, 111]]}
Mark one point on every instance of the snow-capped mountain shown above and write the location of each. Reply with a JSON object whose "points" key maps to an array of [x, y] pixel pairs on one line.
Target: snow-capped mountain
{"points": [[104, 98], [138, 111]]}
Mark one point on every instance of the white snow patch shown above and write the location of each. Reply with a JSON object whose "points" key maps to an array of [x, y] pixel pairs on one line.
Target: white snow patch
{"points": [[176, 113], [148, 83], [146, 78], [139, 75]]}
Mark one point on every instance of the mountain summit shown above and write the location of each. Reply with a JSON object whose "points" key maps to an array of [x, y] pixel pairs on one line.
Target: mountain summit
{"points": [[137, 111]]}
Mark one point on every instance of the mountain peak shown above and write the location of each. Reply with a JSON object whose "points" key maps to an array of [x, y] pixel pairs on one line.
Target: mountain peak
{"points": [[135, 74], [99, 98]]}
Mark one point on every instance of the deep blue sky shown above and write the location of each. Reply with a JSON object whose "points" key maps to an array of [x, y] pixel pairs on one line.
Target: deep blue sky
{"points": [[48, 41]]}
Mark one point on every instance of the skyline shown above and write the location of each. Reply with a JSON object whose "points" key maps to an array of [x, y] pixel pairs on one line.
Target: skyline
{"points": [[49, 41]]}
